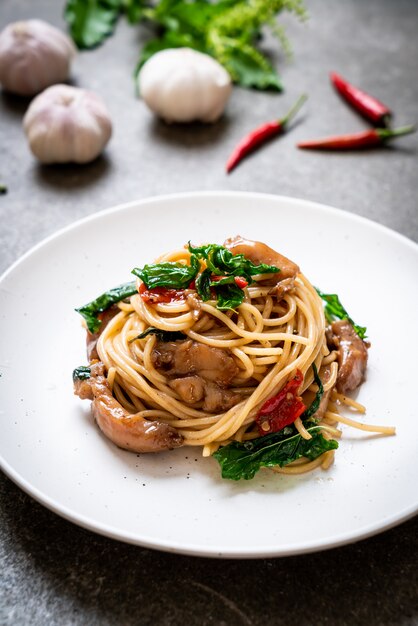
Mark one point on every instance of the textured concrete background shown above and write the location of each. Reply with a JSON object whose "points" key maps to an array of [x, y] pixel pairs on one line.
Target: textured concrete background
{"points": [[52, 572]]}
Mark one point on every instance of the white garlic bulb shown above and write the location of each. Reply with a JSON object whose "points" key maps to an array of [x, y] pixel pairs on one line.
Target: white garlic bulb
{"points": [[67, 124], [33, 56], [182, 85]]}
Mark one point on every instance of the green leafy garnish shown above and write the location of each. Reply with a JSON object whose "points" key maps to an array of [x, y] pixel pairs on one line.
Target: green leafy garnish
{"points": [[243, 460], [162, 335], [82, 372], [203, 282], [225, 266], [222, 262], [228, 30], [91, 21], [91, 310], [228, 296], [171, 275], [312, 409], [335, 310]]}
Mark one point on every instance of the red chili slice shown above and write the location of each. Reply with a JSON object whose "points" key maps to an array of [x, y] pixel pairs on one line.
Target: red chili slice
{"points": [[283, 409], [240, 282], [162, 295]]}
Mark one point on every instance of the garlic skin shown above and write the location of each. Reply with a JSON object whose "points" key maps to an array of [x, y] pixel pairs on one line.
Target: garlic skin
{"points": [[67, 124], [183, 85], [33, 56]]}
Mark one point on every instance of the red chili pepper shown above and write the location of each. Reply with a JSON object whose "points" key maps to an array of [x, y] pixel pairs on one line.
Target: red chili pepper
{"points": [[261, 134], [158, 295], [283, 409], [365, 139], [240, 282], [371, 108]]}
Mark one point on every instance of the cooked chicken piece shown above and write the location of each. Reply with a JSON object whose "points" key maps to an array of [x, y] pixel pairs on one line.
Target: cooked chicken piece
{"points": [[199, 372], [218, 399], [131, 432], [191, 389], [82, 389], [352, 355], [258, 252], [92, 338], [181, 358]]}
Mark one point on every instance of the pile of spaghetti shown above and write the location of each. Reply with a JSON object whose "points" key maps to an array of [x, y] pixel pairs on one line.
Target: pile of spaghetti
{"points": [[225, 347]]}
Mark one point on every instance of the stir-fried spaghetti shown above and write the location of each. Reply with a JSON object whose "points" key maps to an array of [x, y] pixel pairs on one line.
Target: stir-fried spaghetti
{"points": [[172, 356]]}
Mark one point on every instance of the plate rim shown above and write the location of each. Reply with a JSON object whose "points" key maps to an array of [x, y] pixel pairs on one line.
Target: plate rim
{"points": [[187, 194], [171, 546], [214, 552]]}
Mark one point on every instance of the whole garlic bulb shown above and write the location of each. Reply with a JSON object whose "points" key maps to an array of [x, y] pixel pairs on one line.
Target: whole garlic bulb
{"points": [[182, 85], [67, 124], [33, 55]]}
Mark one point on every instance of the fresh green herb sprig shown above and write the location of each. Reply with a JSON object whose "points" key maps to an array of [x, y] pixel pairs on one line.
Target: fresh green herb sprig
{"points": [[172, 275], [222, 263], [228, 30], [92, 21], [83, 372], [243, 460], [91, 310], [335, 310]]}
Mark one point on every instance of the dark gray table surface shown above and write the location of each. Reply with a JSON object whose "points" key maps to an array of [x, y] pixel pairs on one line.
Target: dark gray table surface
{"points": [[51, 571]]}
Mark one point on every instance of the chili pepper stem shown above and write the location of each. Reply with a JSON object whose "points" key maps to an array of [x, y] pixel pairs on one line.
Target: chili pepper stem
{"points": [[292, 112], [391, 133]]}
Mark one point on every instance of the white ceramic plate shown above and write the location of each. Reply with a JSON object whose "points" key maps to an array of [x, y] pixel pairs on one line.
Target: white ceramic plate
{"points": [[177, 501]]}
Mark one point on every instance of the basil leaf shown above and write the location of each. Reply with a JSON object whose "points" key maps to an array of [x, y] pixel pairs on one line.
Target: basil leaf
{"points": [[243, 460], [226, 280], [203, 283], [82, 372], [91, 310], [162, 335], [229, 296], [91, 21], [249, 68], [172, 275], [312, 409], [335, 310], [221, 261], [135, 10]]}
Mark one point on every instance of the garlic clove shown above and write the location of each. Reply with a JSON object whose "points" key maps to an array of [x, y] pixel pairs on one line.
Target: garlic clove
{"points": [[67, 124], [183, 85], [33, 56]]}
